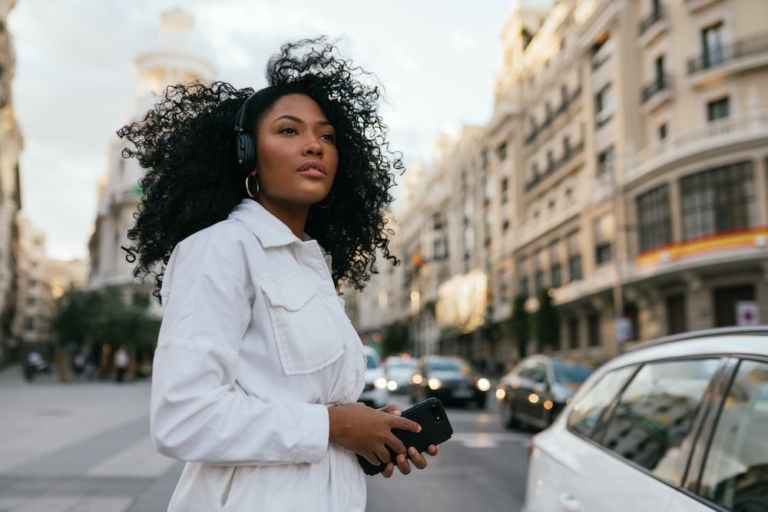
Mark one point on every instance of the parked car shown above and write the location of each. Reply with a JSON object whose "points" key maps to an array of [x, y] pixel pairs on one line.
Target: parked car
{"points": [[399, 372], [451, 379], [538, 388], [375, 393], [675, 425]]}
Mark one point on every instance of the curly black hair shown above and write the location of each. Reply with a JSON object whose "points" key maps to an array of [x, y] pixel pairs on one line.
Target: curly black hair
{"points": [[187, 144]]}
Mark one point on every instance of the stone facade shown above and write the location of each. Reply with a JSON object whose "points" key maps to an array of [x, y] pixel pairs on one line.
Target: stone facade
{"points": [[624, 169]]}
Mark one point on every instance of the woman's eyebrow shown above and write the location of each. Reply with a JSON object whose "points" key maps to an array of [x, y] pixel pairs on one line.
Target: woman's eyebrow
{"points": [[322, 122]]}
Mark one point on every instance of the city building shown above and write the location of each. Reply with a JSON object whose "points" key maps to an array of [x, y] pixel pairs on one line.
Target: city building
{"points": [[178, 56], [34, 296], [623, 173], [11, 145]]}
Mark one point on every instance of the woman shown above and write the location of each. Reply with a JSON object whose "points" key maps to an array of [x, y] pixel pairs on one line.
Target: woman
{"points": [[256, 206]]}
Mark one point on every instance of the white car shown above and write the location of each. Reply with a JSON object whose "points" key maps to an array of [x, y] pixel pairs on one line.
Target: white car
{"points": [[675, 425], [375, 393], [399, 371]]}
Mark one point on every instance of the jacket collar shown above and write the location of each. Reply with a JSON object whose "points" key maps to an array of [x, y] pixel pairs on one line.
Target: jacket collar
{"points": [[270, 230]]}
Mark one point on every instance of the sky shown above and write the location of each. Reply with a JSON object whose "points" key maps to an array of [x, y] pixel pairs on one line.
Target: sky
{"points": [[74, 81]]}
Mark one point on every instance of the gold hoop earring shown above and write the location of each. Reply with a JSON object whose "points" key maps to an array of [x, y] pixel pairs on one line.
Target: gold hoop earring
{"points": [[324, 206], [248, 188]]}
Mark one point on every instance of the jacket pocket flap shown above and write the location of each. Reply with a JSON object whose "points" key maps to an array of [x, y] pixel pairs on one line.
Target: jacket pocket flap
{"points": [[291, 295]]}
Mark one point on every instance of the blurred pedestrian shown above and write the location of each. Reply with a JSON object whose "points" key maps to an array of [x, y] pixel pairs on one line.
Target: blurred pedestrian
{"points": [[256, 206], [78, 364], [122, 359]]}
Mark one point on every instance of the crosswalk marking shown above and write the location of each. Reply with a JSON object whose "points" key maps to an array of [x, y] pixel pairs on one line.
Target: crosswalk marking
{"points": [[487, 439], [138, 459]]}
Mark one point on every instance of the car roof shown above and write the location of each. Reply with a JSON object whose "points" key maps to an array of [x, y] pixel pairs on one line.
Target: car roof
{"points": [[739, 341]]}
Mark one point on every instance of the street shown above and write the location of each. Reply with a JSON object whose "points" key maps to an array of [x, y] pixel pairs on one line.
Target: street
{"points": [[85, 447]]}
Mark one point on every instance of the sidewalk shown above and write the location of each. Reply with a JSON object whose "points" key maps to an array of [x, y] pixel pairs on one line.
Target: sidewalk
{"points": [[79, 447]]}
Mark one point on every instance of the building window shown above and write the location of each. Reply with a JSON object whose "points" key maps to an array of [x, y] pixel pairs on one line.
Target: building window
{"points": [[573, 332], [484, 158], [31, 283], [523, 286], [29, 323], [603, 105], [439, 248], [504, 188], [31, 301], [655, 223], [718, 200], [719, 109], [593, 329], [557, 275], [502, 151], [437, 221], [603, 231], [713, 43], [487, 190], [574, 256], [605, 161], [663, 131]]}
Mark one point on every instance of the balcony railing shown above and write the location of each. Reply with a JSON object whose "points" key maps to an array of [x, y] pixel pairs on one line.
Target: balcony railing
{"points": [[656, 16], [661, 83], [736, 130], [553, 166], [551, 117], [719, 56]]}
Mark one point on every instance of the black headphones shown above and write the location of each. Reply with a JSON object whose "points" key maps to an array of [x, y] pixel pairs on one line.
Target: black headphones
{"points": [[244, 145]]}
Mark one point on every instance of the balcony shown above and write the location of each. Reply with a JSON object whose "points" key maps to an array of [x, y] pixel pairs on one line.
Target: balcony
{"points": [[655, 93], [699, 144], [740, 56], [652, 26], [551, 117], [554, 166], [695, 5]]}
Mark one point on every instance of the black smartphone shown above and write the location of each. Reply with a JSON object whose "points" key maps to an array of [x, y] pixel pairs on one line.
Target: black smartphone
{"points": [[435, 429]]}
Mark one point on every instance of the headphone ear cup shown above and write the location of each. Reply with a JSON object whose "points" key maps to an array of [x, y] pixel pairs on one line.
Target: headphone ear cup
{"points": [[246, 153]]}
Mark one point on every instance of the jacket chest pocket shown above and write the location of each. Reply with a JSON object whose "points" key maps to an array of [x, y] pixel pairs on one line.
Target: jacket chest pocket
{"points": [[306, 335]]}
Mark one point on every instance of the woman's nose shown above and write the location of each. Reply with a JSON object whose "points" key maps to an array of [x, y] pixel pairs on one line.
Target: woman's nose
{"points": [[314, 148]]}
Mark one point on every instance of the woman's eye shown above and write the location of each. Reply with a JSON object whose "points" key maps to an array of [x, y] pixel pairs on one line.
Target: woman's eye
{"points": [[329, 137], [287, 130]]}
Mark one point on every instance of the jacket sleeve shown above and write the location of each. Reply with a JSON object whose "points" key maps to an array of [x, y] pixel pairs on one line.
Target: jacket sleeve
{"points": [[198, 412]]}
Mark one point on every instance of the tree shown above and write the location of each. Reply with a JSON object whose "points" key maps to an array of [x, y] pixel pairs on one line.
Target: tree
{"points": [[396, 338], [103, 316], [547, 321], [519, 324]]}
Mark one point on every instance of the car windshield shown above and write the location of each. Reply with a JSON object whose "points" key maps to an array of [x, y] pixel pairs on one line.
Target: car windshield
{"points": [[448, 366], [568, 373], [401, 365], [372, 362]]}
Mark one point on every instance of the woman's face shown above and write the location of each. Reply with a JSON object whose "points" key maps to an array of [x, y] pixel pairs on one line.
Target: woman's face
{"points": [[296, 155]]}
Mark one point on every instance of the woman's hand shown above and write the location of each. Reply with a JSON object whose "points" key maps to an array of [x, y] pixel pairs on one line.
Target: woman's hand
{"points": [[401, 460], [368, 432]]}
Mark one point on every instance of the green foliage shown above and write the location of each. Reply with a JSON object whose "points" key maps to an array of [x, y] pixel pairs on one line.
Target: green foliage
{"points": [[547, 321], [103, 316], [520, 325], [396, 338]]}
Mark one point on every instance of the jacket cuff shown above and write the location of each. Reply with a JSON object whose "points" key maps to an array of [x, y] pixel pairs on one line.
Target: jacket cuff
{"points": [[315, 427]]}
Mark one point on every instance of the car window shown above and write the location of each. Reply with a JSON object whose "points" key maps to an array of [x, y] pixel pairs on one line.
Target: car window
{"points": [[447, 366], [568, 374], [656, 412], [590, 406], [736, 470], [372, 361], [534, 371]]}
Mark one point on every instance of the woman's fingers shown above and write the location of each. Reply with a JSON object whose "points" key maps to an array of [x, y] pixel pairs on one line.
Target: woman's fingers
{"points": [[418, 459], [388, 470], [432, 450], [391, 409], [402, 463]]}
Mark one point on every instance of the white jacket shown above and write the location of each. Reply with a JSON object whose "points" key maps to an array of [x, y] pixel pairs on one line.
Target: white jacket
{"points": [[255, 345]]}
